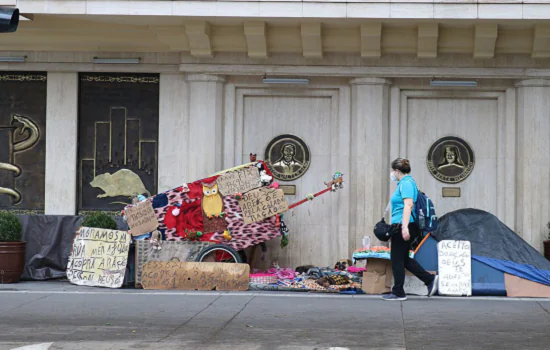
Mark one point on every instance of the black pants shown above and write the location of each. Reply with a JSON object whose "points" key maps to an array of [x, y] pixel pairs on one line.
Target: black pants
{"points": [[400, 260]]}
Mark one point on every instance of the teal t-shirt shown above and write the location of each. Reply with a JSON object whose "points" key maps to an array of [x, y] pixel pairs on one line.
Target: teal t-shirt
{"points": [[406, 188]]}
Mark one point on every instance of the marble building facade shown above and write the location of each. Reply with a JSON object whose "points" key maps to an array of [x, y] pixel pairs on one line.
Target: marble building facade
{"points": [[369, 99]]}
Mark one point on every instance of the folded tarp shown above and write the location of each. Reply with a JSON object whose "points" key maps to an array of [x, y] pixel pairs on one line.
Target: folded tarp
{"points": [[49, 239]]}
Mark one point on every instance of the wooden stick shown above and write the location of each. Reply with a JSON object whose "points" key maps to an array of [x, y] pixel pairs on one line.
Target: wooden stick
{"points": [[306, 200]]}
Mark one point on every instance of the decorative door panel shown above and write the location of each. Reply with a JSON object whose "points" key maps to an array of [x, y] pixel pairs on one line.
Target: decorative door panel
{"points": [[118, 138], [22, 141], [263, 114], [479, 119]]}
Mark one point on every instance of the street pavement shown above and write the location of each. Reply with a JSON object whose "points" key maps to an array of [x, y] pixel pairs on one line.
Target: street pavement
{"points": [[57, 315]]}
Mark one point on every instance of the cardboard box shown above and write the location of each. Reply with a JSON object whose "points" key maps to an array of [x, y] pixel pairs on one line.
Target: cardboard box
{"points": [[378, 277]]}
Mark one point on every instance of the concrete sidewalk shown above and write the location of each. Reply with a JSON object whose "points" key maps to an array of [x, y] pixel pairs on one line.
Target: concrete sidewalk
{"points": [[73, 317]]}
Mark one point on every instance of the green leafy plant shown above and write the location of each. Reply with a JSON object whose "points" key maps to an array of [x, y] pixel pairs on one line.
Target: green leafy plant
{"points": [[548, 225], [100, 220], [10, 228]]}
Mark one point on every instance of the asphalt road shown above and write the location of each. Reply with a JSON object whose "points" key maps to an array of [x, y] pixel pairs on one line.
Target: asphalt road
{"points": [[96, 318]]}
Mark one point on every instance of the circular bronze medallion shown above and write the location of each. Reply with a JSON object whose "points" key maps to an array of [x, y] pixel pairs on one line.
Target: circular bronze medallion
{"points": [[450, 159], [288, 157]]}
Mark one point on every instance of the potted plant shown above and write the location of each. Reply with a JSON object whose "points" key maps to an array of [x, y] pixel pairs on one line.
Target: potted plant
{"points": [[100, 220], [547, 244], [12, 250]]}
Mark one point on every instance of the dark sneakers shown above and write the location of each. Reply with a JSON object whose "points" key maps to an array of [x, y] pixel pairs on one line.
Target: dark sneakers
{"points": [[432, 288], [393, 297]]}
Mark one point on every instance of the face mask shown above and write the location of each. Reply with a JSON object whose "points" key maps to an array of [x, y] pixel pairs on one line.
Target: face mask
{"points": [[393, 177]]}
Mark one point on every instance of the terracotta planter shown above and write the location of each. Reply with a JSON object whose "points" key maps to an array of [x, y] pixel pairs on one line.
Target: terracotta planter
{"points": [[547, 249], [12, 261]]}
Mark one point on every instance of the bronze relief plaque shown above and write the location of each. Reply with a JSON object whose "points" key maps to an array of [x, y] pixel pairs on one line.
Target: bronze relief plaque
{"points": [[450, 159], [118, 136], [288, 157], [22, 141]]}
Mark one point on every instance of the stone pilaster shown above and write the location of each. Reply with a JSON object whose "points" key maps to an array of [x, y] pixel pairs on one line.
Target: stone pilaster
{"points": [[369, 156], [205, 128], [533, 160], [173, 131], [61, 144]]}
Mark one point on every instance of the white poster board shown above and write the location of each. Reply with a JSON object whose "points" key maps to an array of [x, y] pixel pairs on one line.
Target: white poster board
{"points": [[455, 268], [99, 257]]}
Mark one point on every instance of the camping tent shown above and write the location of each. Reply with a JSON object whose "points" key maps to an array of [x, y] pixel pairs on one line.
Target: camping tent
{"points": [[502, 262]]}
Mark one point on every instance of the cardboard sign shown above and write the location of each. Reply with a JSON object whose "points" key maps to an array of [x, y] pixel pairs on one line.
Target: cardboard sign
{"points": [[99, 257], [262, 203], [455, 268], [195, 276], [141, 218], [239, 181]]}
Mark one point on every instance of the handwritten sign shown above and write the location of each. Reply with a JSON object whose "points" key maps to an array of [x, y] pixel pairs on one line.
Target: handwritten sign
{"points": [[141, 218], [99, 257], [455, 268], [262, 203], [240, 181], [195, 276]]}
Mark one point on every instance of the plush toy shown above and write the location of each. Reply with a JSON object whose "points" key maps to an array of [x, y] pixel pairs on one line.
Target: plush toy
{"points": [[337, 182], [212, 202], [156, 240], [265, 178], [226, 235]]}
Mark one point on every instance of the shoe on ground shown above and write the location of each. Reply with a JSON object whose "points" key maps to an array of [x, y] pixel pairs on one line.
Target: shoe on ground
{"points": [[392, 297], [432, 288]]}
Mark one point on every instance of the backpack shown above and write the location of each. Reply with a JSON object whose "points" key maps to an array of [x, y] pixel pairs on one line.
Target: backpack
{"points": [[424, 212]]}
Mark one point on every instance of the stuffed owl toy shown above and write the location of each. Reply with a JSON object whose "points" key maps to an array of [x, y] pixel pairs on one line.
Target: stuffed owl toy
{"points": [[212, 203]]}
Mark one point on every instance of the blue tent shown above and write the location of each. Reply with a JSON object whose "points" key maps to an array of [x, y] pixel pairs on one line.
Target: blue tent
{"points": [[496, 250]]}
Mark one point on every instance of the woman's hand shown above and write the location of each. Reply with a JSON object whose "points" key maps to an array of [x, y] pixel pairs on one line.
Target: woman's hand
{"points": [[405, 233]]}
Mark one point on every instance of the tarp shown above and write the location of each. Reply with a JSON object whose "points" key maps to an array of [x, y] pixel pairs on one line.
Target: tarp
{"points": [[494, 244], [49, 239], [486, 280]]}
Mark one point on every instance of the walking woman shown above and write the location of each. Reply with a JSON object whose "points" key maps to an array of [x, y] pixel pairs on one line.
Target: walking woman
{"points": [[405, 230]]}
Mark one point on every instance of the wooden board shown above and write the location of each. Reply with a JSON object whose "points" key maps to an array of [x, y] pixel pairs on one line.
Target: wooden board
{"points": [[239, 181], [195, 276], [262, 203], [141, 218], [99, 257], [455, 267]]}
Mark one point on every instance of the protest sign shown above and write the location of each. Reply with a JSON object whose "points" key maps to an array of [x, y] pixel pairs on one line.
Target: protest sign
{"points": [[99, 257], [239, 181], [455, 267], [195, 276], [141, 218], [262, 203]]}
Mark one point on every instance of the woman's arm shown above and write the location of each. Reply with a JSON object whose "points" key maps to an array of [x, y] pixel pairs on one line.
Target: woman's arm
{"points": [[407, 210]]}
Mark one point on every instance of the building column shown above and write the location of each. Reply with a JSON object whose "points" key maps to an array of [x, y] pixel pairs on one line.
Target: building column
{"points": [[205, 127], [370, 163], [533, 161], [173, 131], [61, 144]]}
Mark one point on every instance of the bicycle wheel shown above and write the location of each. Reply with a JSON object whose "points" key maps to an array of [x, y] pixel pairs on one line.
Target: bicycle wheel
{"points": [[219, 253]]}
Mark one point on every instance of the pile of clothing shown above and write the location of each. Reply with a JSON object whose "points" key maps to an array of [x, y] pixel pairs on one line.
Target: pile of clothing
{"points": [[317, 279]]}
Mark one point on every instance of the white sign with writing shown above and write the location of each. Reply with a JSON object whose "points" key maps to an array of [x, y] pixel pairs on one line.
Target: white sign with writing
{"points": [[455, 268], [99, 257]]}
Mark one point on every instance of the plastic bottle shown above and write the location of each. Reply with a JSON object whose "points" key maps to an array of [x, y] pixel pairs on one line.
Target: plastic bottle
{"points": [[366, 242]]}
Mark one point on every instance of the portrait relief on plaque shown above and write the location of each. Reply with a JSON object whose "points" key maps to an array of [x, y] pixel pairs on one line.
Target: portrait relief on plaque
{"points": [[288, 157], [450, 159]]}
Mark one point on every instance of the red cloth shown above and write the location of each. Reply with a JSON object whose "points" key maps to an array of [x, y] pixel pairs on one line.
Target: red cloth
{"points": [[190, 218], [195, 188]]}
